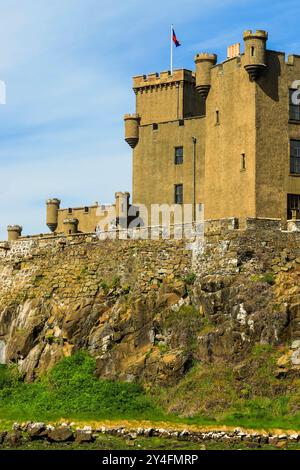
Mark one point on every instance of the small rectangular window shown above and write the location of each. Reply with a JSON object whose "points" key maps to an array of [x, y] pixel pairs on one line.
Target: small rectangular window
{"points": [[178, 194], [155, 126], [217, 117], [178, 155], [243, 161], [86, 210], [70, 210], [295, 157], [294, 108], [181, 122]]}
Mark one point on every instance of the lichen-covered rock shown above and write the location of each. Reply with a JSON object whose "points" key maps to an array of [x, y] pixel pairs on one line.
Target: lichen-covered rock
{"points": [[82, 436], [36, 430], [61, 434]]}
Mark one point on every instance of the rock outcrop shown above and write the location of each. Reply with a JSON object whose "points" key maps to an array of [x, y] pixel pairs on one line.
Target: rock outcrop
{"points": [[147, 310]]}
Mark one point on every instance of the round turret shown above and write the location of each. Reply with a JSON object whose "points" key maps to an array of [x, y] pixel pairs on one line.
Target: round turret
{"points": [[14, 232], [204, 62], [255, 53], [71, 226], [132, 122], [52, 213]]}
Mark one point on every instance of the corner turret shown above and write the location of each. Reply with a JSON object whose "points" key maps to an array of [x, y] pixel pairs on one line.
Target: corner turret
{"points": [[52, 213], [255, 53], [132, 122], [204, 62], [14, 232]]}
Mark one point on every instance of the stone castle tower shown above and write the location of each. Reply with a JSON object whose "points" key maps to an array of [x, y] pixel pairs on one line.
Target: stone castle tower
{"points": [[226, 135]]}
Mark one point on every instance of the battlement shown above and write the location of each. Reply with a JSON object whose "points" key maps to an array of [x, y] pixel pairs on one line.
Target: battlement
{"points": [[54, 201], [204, 56], [81, 208], [258, 34], [131, 116], [162, 97], [163, 78]]}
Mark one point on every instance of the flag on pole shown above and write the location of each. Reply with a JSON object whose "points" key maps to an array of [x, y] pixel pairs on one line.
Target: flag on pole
{"points": [[174, 37], [175, 41]]}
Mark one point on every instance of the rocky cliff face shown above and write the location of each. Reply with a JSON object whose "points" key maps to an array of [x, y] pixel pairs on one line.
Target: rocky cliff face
{"points": [[147, 310]]}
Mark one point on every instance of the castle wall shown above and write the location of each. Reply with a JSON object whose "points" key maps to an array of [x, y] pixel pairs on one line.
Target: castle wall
{"points": [[229, 189], [88, 220], [273, 134], [154, 171]]}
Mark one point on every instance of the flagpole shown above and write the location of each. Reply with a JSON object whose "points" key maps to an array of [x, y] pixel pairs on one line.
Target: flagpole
{"points": [[171, 49]]}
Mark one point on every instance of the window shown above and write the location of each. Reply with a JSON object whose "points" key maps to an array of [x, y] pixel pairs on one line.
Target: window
{"points": [[181, 122], [243, 162], [155, 126], [178, 194], [178, 155], [217, 117], [293, 205], [295, 157], [252, 51], [70, 210], [294, 108], [86, 210]]}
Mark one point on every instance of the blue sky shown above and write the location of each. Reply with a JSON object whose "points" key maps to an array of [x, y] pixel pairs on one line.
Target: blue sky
{"points": [[68, 65]]}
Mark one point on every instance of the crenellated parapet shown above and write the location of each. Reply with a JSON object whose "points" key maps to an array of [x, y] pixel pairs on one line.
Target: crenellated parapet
{"points": [[145, 83], [165, 96]]}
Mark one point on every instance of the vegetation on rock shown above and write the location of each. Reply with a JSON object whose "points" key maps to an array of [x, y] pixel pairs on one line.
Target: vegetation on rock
{"points": [[71, 390]]}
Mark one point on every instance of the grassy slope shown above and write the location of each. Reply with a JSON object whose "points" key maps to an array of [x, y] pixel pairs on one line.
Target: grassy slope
{"points": [[209, 396], [252, 395]]}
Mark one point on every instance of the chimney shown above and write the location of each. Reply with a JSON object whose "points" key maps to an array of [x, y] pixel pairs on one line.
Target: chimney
{"points": [[234, 50]]}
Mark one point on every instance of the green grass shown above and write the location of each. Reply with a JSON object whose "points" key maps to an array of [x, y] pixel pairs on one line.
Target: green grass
{"points": [[71, 390], [209, 394]]}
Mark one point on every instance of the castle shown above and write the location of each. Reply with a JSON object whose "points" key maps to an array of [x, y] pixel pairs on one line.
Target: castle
{"points": [[226, 135]]}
